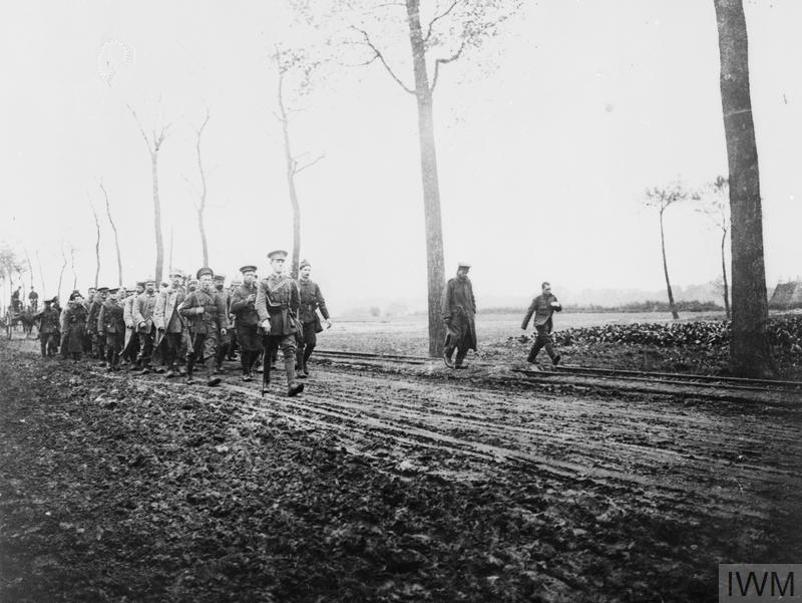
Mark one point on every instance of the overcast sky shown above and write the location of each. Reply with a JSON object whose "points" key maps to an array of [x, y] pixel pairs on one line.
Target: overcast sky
{"points": [[546, 140]]}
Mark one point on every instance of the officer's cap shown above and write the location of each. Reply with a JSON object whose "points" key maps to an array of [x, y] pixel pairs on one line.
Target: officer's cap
{"points": [[245, 269], [204, 271], [115, 290], [74, 295], [277, 254], [220, 277], [463, 265], [103, 290], [140, 283], [149, 281], [176, 272], [304, 264]]}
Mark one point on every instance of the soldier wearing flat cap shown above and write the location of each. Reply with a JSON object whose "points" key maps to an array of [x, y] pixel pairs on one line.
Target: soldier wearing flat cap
{"points": [[459, 308], [169, 323], [203, 310], [277, 303], [131, 344], [97, 344], [223, 333], [543, 308], [311, 301], [143, 308], [233, 342], [111, 326], [246, 318]]}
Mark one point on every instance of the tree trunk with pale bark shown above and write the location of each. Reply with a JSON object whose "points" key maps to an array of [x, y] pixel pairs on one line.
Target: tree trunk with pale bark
{"points": [[750, 353]]}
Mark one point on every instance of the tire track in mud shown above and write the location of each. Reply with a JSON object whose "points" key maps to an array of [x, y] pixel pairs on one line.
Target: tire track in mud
{"points": [[469, 430]]}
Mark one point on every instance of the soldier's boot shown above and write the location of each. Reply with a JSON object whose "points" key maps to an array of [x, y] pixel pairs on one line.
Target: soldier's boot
{"points": [[307, 354], [245, 362], [293, 387], [447, 352], [533, 352], [190, 370], [458, 362]]}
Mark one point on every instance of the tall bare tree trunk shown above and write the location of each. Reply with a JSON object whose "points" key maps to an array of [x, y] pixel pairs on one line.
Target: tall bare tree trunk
{"points": [[72, 264], [41, 274], [61, 273], [727, 310], [291, 171], [431, 186], [671, 303], [157, 217], [116, 237], [750, 354], [170, 259], [201, 207], [97, 245]]}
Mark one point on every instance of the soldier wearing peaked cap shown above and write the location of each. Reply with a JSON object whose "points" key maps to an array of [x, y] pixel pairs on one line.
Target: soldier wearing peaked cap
{"points": [[169, 323], [311, 301], [223, 333], [98, 343], [143, 307], [203, 311], [49, 330], [130, 349], [543, 308], [277, 303], [111, 326], [246, 318], [459, 308]]}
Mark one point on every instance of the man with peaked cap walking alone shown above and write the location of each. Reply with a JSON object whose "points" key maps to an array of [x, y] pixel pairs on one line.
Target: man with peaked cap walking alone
{"points": [[459, 308], [543, 307], [277, 303], [311, 301], [204, 311], [246, 318]]}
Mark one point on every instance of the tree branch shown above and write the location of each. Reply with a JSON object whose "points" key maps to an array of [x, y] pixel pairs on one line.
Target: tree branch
{"points": [[300, 169], [378, 55], [450, 59], [139, 125], [436, 19]]}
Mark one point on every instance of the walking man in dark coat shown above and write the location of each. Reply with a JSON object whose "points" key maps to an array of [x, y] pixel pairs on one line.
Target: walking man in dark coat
{"points": [[543, 307], [277, 302], [246, 319], [74, 326], [459, 309], [204, 311], [143, 308], [222, 341], [111, 326], [311, 301], [48, 325]]}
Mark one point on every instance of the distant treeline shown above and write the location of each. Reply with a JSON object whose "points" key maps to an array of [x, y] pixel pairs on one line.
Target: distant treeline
{"points": [[646, 306]]}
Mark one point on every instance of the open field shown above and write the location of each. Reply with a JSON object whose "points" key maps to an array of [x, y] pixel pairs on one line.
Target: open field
{"points": [[380, 486]]}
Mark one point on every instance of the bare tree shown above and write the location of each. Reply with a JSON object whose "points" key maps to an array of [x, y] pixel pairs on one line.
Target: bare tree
{"points": [[116, 235], [715, 205], [448, 32], [72, 265], [200, 206], [750, 353], [41, 274], [9, 264], [661, 199], [298, 66], [154, 144], [97, 241]]}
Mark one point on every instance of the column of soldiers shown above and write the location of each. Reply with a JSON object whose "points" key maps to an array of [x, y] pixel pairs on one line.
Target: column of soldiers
{"points": [[192, 324]]}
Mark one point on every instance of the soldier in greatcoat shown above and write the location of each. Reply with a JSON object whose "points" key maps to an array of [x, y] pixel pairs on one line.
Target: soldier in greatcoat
{"points": [[203, 310], [111, 326], [223, 333], [169, 322], [277, 302], [543, 307], [459, 309], [143, 308], [74, 326], [49, 330], [246, 319], [311, 301]]}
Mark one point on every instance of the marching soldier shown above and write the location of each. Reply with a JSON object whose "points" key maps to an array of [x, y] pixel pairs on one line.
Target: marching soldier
{"points": [[243, 306], [131, 344], [311, 301], [143, 308], [111, 326], [223, 334], [168, 321], [74, 325], [458, 308], [277, 303], [48, 325], [543, 307], [97, 342], [204, 311], [233, 343]]}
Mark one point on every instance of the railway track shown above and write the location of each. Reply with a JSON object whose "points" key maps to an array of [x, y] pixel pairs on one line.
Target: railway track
{"points": [[706, 386]]}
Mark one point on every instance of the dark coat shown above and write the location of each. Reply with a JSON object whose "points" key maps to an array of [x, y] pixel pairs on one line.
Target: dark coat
{"points": [[458, 307], [312, 300], [543, 310], [244, 311], [91, 316], [75, 324], [278, 298], [213, 312], [48, 321], [110, 318]]}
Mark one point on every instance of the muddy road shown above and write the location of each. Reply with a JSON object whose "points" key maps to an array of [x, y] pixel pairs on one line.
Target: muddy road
{"points": [[583, 496]]}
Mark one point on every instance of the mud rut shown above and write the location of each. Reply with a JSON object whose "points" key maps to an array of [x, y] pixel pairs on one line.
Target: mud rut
{"points": [[681, 459]]}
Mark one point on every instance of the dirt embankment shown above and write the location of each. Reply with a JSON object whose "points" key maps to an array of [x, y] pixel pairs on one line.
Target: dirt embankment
{"points": [[378, 487]]}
